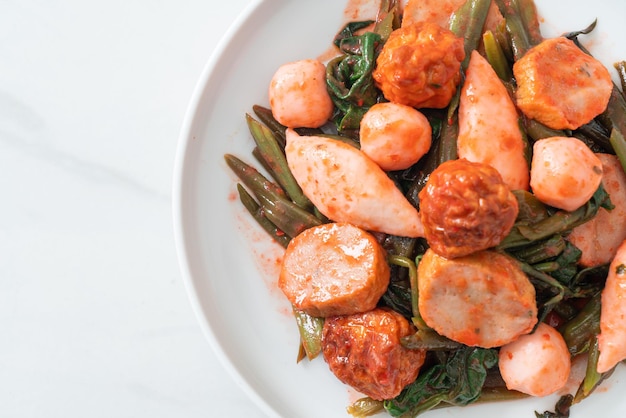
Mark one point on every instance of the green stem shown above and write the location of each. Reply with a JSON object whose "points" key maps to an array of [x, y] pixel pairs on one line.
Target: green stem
{"points": [[582, 329], [427, 339], [498, 394], [365, 407], [253, 179], [592, 378], [467, 23], [537, 130], [619, 145], [543, 250], [547, 267], [388, 18], [546, 280], [258, 214], [310, 328], [276, 162], [561, 221], [406, 262], [265, 115], [527, 11], [519, 34], [287, 216], [447, 149], [282, 212], [495, 56]]}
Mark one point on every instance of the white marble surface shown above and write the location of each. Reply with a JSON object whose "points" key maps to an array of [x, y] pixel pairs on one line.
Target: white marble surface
{"points": [[94, 317]]}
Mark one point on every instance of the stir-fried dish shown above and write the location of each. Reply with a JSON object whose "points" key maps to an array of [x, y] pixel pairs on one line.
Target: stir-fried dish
{"points": [[450, 192]]}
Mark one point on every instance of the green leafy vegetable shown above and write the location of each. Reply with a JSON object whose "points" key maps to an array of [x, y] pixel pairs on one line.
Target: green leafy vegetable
{"points": [[561, 409], [580, 331], [349, 76], [528, 230], [458, 381]]}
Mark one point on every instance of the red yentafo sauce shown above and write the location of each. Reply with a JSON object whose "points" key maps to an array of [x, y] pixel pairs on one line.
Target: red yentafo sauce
{"points": [[267, 254]]}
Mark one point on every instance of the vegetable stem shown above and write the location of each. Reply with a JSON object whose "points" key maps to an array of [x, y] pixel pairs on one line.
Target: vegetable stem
{"points": [[524, 233], [310, 329], [265, 115], [388, 18], [592, 378], [447, 149], [522, 24], [253, 179], [495, 56], [536, 130], [365, 407], [281, 211], [619, 145], [467, 22], [274, 157], [546, 280], [288, 217], [543, 250], [406, 262], [579, 331], [257, 213]]}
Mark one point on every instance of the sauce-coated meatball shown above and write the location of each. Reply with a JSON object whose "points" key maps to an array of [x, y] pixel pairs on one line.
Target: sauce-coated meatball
{"points": [[419, 65], [364, 351], [466, 207]]}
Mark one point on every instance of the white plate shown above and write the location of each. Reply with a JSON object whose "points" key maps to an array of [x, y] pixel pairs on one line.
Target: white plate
{"points": [[228, 262]]}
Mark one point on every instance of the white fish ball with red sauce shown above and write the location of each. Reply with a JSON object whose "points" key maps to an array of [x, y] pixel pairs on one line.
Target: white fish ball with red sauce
{"points": [[298, 95], [536, 364], [395, 136], [564, 172]]}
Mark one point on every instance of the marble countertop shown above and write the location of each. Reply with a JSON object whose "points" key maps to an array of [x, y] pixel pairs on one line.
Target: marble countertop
{"points": [[94, 317]]}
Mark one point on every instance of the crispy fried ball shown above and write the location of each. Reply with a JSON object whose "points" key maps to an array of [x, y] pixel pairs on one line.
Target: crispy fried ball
{"points": [[466, 207], [419, 65], [364, 351]]}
